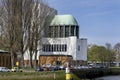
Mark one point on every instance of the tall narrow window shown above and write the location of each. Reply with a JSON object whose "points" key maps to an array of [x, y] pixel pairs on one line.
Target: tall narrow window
{"points": [[77, 31], [48, 48], [60, 48], [72, 30], [57, 47], [65, 47], [56, 31], [66, 31], [52, 48], [43, 47], [61, 31], [78, 47]]}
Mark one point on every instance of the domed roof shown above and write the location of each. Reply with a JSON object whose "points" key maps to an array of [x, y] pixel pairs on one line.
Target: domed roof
{"points": [[63, 20]]}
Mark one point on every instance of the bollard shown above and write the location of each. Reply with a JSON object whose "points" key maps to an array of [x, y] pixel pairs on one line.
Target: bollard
{"points": [[68, 74]]}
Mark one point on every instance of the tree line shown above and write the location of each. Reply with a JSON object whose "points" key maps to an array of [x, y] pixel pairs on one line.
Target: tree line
{"points": [[105, 53]]}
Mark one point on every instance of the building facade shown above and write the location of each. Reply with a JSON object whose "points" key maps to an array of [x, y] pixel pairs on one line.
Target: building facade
{"points": [[61, 42], [62, 39]]}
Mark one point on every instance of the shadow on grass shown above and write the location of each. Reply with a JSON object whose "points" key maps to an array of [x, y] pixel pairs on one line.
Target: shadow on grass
{"points": [[95, 73]]}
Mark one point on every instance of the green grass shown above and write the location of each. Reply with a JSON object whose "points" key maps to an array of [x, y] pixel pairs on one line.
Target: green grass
{"points": [[45, 75]]}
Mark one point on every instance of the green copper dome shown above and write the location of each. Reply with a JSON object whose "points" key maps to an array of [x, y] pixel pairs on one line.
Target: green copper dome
{"points": [[63, 20]]}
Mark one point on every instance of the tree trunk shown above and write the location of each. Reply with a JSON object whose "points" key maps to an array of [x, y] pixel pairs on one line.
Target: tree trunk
{"points": [[35, 60], [22, 60], [12, 58], [30, 61]]}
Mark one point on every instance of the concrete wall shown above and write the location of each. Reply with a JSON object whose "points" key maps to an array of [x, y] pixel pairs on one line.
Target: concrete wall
{"points": [[69, 41], [81, 49]]}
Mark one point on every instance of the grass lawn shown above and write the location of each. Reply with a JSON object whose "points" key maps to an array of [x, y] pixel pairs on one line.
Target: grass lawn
{"points": [[45, 75]]}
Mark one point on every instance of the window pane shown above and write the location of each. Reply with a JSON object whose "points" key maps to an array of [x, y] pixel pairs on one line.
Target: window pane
{"points": [[61, 31], [51, 48], [77, 31], [43, 47], [57, 47], [60, 48], [54, 47], [78, 47], [65, 47], [56, 31], [72, 30], [66, 31]]}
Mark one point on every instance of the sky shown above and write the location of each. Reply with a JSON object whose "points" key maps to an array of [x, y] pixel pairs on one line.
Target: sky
{"points": [[99, 20]]}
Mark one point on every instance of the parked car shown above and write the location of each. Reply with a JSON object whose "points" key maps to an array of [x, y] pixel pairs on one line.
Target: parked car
{"points": [[4, 69], [63, 67], [49, 67], [40, 69], [16, 69], [54, 68], [46, 67]]}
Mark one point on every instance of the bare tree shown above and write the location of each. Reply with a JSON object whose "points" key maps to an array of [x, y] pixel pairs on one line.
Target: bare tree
{"points": [[24, 23], [1, 29], [17, 19], [26, 18], [41, 12], [10, 16]]}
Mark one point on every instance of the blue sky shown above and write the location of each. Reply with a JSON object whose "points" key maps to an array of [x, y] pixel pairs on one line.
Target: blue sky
{"points": [[99, 20]]}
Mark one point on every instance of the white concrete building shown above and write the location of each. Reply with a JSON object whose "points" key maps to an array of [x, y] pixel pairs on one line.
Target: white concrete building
{"points": [[77, 48], [61, 37]]}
